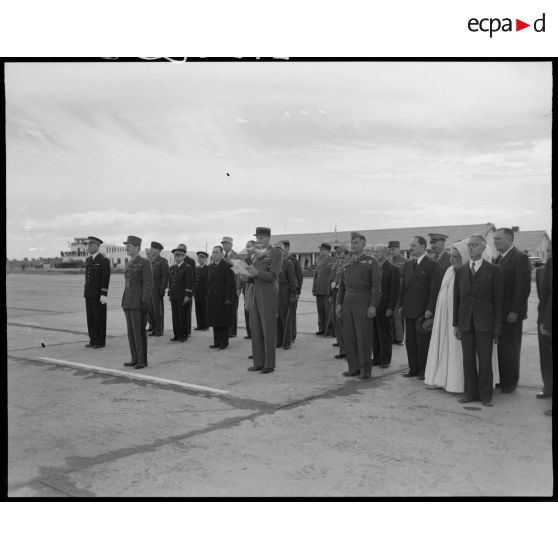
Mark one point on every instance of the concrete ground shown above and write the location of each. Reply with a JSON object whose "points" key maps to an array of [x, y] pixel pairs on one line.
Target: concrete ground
{"points": [[304, 430]]}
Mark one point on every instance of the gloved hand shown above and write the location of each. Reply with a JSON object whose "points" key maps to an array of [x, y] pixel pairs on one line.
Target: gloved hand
{"points": [[103, 299]]}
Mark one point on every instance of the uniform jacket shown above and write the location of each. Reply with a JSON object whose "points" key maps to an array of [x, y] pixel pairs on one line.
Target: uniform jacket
{"points": [[268, 264], [138, 283], [220, 294], [298, 272], [192, 263], [200, 279], [335, 274], [361, 274], [160, 269], [97, 276], [321, 275], [249, 259], [421, 284], [390, 285], [544, 292], [478, 299], [287, 277], [443, 260], [181, 282], [516, 275]]}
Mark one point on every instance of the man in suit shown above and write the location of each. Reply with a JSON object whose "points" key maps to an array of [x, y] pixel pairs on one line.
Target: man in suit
{"points": [[229, 255], [337, 268], [191, 262], [287, 295], [382, 340], [200, 291], [357, 301], [135, 301], [439, 254], [263, 311], [160, 270], [97, 278], [299, 278], [245, 286], [221, 290], [544, 323], [320, 289], [421, 284], [399, 261], [516, 275], [477, 320], [181, 288]]}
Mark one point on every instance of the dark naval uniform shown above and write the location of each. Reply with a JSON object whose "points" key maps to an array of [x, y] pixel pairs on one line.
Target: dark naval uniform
{"points": [[160, 268], [221, 290], [135, 303], [287, 295], [200, 296], [443, 261], [299, 278], [229, 256], [359, 289], [263, 308], [97, 277], [181, 285]]}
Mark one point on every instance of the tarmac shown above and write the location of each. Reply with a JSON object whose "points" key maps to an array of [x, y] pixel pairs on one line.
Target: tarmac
{"points": [[196, 423]]}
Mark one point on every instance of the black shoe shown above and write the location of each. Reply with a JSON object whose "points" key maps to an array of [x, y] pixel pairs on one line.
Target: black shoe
{"points": [[98, 346], [250, 356], [158, 335], [131, 363], [548, 412], [335, 344], [320, 332], [386, 365], [398, 343], [198, 329], [183, 339], [149, 330], [286, 347], [255, 368], [232, 336], [277, 346], [365, 377], [408, 375], [464, 400], [543, 395], [90, 345], [420, 377], [175, 339], [375, 362], [486, 403], [349, 373], [267, 370], [140, 365], [247, 337], [151, 334], [214, 346], [223, 347], [340, 355], [508, 390]]}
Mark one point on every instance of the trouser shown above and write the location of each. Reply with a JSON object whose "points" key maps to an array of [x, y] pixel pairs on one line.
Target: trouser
{"points": [[357, 333], [398, 326], [221, 336], [179, 319], [545, 353], [156, 314], [509, 351], [263, 323], [136, 320], [284, 324], [150, 316], [382, 338], [417, 347], [294, 306], [478, 379], [188, 318], [96, 321], [247, 320], [338, 321], [233, 328], [200, 300], [323, 313]]}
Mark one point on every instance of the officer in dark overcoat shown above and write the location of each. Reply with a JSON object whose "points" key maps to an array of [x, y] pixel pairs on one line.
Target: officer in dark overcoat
{"points": [[160, 269], [200, 291], [135, 301], [181, 288], [97, 278]]}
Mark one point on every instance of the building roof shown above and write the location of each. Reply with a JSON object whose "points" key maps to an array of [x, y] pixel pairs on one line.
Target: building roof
{"points": [[309, 242], [529, 240]]}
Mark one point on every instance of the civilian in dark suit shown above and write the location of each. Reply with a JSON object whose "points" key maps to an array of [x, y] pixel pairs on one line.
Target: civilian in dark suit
{"points": [[229, 255], [160, 269], [516, 275], [382, 331], [544, 322], [192, 263], [421, 284], [477, 319], [181, 287], [97, 278], [200, 291], [221, 290], [135, 301]]}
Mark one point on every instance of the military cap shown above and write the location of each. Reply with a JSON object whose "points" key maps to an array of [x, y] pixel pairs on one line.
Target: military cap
{"points": [[325, 246], [227, 239], [157, 245], [286, 242], [437, 236], [394, 244], [202, 254], [357, 235], [279, 245], [133, 240], [263, 231], [179, 251], [94, 239]]}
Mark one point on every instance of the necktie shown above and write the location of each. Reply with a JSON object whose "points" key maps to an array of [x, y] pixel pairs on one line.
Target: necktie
{"points": [[473, 271]]}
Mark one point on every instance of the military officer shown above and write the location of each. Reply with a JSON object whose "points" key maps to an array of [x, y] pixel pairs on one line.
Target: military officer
{"points": [[299, 278], [439, 254], [320, 289], [341, 259], [188, 261], [287, 295], [263, 311], [358, 298], [181, 288], [135, 301], [97, 278], [150, 314], [200, 291], [229, 255], [399, 261], [160, 269]]}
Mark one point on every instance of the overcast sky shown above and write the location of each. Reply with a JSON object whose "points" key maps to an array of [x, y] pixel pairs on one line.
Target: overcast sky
{"points": [[112, 149]]}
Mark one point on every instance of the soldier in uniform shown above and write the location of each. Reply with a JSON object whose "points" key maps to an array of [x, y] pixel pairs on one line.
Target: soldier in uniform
{"points": [[399, 261], [245, 286], [181, 287], [97, 278], [151, 312], [200, 291], [230, 254], [188, 261], [357, 300], [135, 301], [263, 311], [439, 254], [287, 295], [160, 269], [320, 289], [342, 258], [299, 278]]}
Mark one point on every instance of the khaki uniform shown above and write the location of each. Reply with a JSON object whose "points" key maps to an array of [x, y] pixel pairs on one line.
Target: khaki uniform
{"points": [[335, 279], [287, 295]]}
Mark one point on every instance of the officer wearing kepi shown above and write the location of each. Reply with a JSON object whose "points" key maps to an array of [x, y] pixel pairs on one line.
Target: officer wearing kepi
{"points": [[160, 269], [97, 278], [135, 301]]}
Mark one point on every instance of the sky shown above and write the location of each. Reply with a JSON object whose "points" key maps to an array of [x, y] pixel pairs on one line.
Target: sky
{"points": [[193, 152]]}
